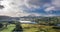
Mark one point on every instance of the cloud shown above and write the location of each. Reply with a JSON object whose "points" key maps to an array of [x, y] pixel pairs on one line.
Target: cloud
{"points": [[34, 14], [12, 8], [32, 4], [36, 4], [23, 7], [19, 7], [54, 6], [49, 15], [56, 3], [50, 8]]}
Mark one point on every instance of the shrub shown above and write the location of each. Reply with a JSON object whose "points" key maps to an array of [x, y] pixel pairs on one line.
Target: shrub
{"points": [[1, 25], [56, 27]]}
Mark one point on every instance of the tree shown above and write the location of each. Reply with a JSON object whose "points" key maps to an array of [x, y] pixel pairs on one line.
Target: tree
{"points": [[18, 27], [1, 25]]}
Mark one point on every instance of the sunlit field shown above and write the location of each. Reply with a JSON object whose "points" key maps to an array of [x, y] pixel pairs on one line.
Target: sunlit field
{"points": [[38, 28], [31, 28], [9, 28]]}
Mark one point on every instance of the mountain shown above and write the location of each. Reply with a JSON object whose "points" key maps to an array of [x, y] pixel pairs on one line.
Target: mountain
{"points": [[8, 18]]}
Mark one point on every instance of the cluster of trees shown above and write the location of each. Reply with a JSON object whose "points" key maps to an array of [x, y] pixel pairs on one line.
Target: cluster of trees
{"points": [[48, 20], [18, 28], [1, 25]]}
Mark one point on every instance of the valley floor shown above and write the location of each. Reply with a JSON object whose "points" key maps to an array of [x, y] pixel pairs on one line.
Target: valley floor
{"points": [[31, 28]]}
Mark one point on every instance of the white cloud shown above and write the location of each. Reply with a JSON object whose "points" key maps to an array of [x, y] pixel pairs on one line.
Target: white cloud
{"points": [[16, 7], [33, 4], [50, 15], [55, 6], [50, 9], [19, 7], [12, 7], [34, 14], [56, 3]]}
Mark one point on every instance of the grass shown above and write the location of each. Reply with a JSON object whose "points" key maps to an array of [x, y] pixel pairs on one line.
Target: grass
{"points": [[38, 28], [9, 28], [31, 28]]}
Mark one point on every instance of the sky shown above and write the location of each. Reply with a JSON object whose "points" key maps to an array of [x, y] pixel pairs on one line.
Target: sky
{"points": [[20, 8]]}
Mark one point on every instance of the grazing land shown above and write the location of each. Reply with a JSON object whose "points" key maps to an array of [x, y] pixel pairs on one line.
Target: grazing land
{"points": [[31, 28], [45, 24]]}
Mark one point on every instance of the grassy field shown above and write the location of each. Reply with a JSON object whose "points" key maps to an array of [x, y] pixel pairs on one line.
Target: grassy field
{"points": [[31, 28], [38, 28], [9, 28]]}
